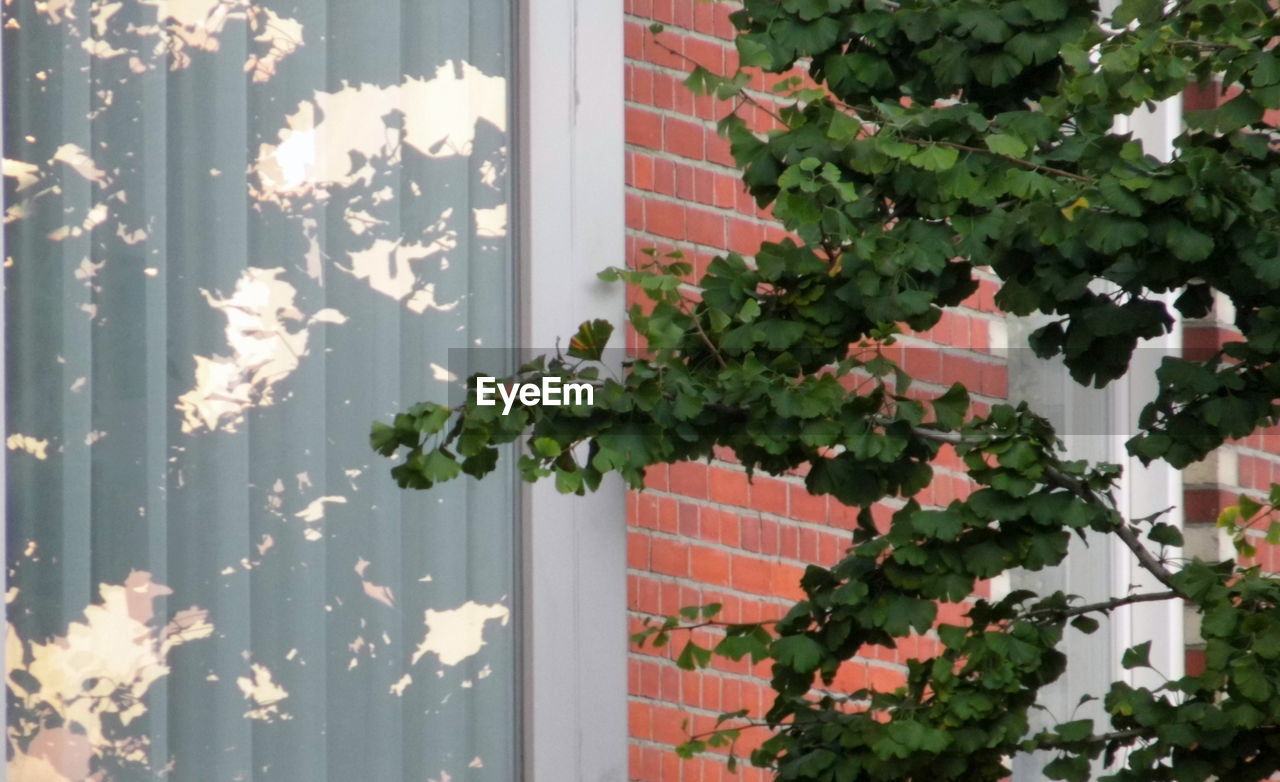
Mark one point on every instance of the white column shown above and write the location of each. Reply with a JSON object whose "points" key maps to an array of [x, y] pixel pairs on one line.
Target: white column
{"points": [[1147, 490], [572, 225]]}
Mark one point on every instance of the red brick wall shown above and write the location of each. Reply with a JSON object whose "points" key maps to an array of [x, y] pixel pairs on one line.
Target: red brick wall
{"points": [[702, 533]]}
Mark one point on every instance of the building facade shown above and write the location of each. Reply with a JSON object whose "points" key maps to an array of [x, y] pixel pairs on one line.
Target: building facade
{"points": [[238, 232]]}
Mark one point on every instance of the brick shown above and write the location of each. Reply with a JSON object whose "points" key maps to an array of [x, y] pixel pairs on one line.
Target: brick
{"points": [[634, 211], [648, 679], [664, 177], [1204, 505], [647, 511], [728, 486], [690, 520], [664, 218], [705, 227], [689, 479], [718, 151], [789, 541], [642, 172], [745, 236], [669, 557], [649, 596], [669, 514], [730, 529], [768, 495], [684, 182], [639, 719], [704, 189], [749, 527], [643, 128], [751, 575], [711, 566], [726, 191], [807, 507], [637, 551], [666, 723], [769, 537], [664, 11]]}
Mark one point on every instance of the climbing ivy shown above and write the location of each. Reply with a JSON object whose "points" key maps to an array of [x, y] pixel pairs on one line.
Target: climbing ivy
{"points": [[913, 142]]}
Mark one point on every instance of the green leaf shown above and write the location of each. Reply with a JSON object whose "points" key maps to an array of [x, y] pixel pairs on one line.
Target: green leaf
{"points": [[1239, 112], [1076, 730], [567, 481], [383, 438], [1004, 144], [589, 342], [1138, 656], [950, 409], [941, 524], [1251, 680], [1085, 624], [439, 466], [799, 652], [1047, 10], [1187, 243], [1165, 534], [843, 127], [1071, 768], [693, 657], [935, 158], [906, 613], [546, 447]]}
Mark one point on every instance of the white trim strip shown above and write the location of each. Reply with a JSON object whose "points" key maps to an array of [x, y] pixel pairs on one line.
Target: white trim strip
{"points": [[573, 225]]}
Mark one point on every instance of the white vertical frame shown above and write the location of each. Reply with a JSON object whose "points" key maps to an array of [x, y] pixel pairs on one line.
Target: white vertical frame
{"points": [[1094, 425], [572, 225], [1148, 490]]}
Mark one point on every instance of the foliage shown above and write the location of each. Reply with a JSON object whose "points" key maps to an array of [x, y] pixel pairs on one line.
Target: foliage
{"points": [[913, 142]]}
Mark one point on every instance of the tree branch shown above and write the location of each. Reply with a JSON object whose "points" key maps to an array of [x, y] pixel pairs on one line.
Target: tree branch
{"points": [[743, 94], [1119, 735], [1007, 158], [1108, 605], [1123, 529]]}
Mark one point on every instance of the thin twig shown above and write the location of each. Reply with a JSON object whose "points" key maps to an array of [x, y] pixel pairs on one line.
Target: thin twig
{"points": [[1107, 605], [918, 142], [706, 340], [1007, 158], [744, 95], [1119, 735], [1123, 529]]}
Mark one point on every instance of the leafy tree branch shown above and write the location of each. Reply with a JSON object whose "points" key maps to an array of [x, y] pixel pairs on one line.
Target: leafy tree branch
{"points": [[929, 138]]}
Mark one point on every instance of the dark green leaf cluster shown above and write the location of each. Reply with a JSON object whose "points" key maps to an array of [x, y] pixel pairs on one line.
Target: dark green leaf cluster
{"points": [[949, 134]]}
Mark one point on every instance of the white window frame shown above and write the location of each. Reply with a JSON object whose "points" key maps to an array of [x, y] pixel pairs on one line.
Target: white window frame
{"points": [[572, 225], [1095, 424]]}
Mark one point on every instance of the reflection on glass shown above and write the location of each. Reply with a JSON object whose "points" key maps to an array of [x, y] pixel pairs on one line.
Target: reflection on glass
{"points": [[235, 234]]}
